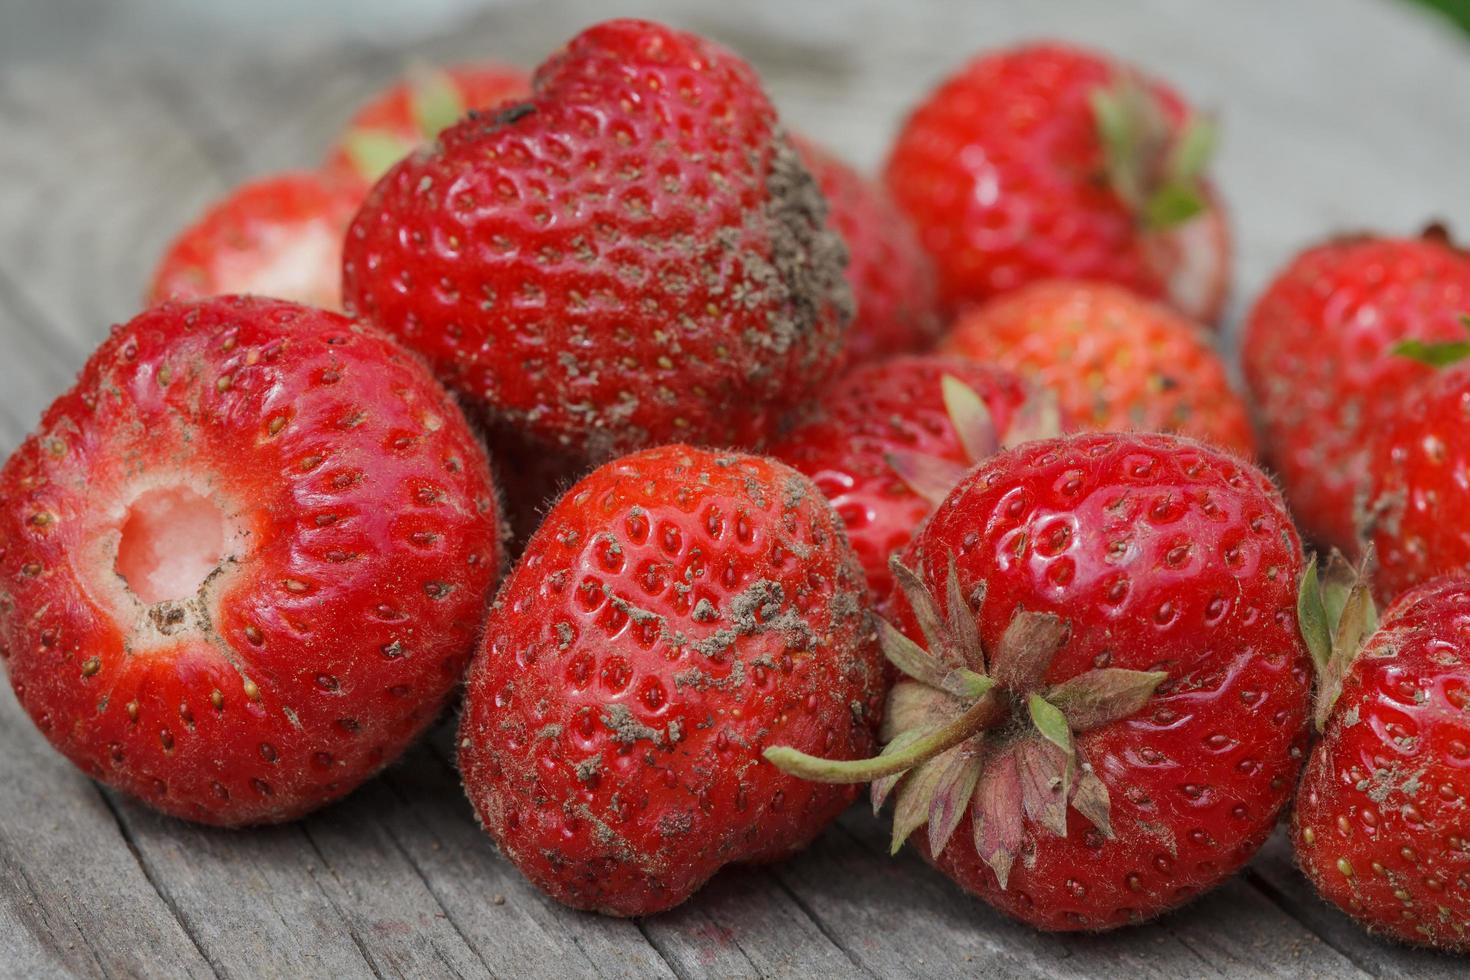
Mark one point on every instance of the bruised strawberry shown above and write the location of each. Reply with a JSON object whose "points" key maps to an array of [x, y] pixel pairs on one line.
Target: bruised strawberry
{"points": [[1115, 360], [280, 236], [416, 110], [1049, 161], [1382, 822], [1317, 353], [1415, 508], [892, 277], [891, 439], [1107, 695], [678, 611], [244, 559], [634, 255]]}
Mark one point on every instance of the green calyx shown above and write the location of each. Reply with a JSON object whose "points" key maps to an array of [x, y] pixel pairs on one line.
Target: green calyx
{"points": [[1437, 354], [933, 477], [1154, 167], [435, 105], [1336, 615], [979, 731]]}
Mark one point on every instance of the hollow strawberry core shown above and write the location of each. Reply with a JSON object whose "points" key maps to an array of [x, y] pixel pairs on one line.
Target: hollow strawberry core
{"points": [[172, 540]]}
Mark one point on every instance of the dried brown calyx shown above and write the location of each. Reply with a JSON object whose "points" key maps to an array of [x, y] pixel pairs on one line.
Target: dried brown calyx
{"points": [[1336, 614], [933, 477], [1155, 167], [970, 725]]}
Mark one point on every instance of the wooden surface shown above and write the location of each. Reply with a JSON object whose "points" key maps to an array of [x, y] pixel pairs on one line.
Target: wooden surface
{"points": [[1338, 114]]}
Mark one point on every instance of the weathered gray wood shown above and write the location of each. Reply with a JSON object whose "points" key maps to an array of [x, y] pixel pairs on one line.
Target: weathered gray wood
{"points": [[103, 158], [73, 898]]}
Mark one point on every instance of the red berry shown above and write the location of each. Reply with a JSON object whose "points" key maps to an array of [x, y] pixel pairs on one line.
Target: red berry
{"points": [[244, 559], [1045, 161], [1416, 508], [1317, 357], [881, 422], [1107, 694], [415, 110], [678, 611], [1116, 361], [1381, 825], [279, 236], [891, 276], [635, 255]]}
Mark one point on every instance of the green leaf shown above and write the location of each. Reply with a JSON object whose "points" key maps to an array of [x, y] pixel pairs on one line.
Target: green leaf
{"points": [[908, 656], [1433, 353], [928, 476], [1106, 694], [1312, 618], [911, 806], [879, 789], [435, 101], [1050, 722], [1193, 149], [1039, 417], [1172, 205], [912, 706], [373, 152], [970, 418]]}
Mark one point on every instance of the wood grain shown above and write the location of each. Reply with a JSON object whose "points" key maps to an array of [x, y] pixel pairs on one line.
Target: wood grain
{"points": [[1336, 116]]}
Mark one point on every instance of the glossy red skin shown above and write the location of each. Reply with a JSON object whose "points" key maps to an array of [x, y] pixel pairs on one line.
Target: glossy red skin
{"points": [[480, 85], [869, 413], [1115, 360], [600, 270], [892, 277], [1387, 785], [247, 229], [372, 497], [1001, 167], [1316, 356], [1417, 508], [1163, 554], [606, 613]]}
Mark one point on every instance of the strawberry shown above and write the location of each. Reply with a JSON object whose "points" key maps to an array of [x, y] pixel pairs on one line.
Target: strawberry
{"points": [[677, 611], [280, 236], [244, 559], [1382, 823], [414, 111], [634, 255], [1106, 693], [891, 439], [1317, 355], [1047, 160], [1116, 361], [1416, 511], [892, 278]]}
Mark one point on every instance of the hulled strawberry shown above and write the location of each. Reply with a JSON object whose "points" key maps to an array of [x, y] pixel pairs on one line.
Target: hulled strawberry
{"points": [[244, 559], [1382, 819], [1116, 361], [414, 111], [1317, 355], [678, 611], [892, 277], [1106, 693], [891, 439], [1047, 160], [633, 255], [280, 236], [1415, 508]]}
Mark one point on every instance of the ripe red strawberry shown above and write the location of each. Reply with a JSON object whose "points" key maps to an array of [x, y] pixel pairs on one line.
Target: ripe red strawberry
{"points": [[1416, 506], [1116, 361], [891, 439], [892, 278], [1382, 820], [1047, 160], [634, 255], [280, 236], [678, 611], [1317, 358], [244, 559], [415, 110], [1106, 697]]}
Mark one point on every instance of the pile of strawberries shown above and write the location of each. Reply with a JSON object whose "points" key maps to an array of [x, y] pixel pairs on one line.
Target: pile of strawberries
{"points": [[783, 455]]}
